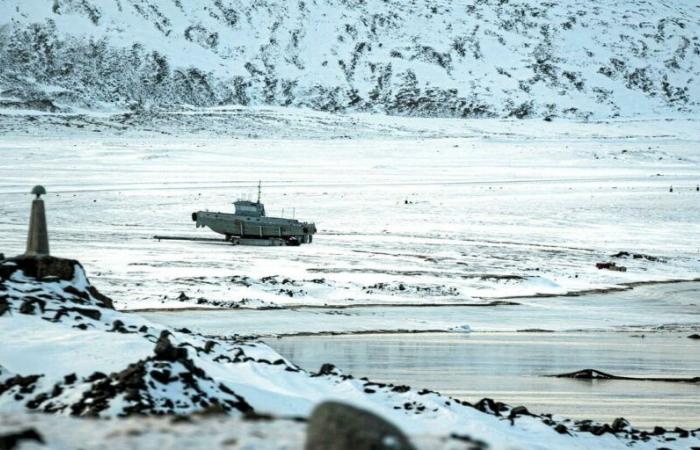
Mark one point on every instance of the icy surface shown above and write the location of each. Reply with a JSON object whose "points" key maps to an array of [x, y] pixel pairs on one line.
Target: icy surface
{"points": [[495, 209]]}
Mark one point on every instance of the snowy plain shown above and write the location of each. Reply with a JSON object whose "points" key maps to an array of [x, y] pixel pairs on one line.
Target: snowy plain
{"points": [[483, 210], [479, 212]]}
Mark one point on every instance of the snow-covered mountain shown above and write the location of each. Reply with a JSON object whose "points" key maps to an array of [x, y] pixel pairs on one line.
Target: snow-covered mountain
{"points": [[574, 58]]}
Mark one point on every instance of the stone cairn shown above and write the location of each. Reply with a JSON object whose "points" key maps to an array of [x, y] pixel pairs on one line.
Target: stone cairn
{"points": [[38, 239]]}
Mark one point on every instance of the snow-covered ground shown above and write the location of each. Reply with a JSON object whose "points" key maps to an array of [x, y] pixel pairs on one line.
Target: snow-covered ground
{"points": [[495, 209], [645, 309], [128, 365], [480, 212]]}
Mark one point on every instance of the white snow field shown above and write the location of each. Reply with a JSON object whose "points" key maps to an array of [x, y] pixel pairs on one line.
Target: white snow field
{"points": [[671, 307], [495, 209], [480, 213]]}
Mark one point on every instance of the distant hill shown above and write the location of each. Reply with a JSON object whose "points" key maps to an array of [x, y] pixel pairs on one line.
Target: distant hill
{"points": [[438, 58]]}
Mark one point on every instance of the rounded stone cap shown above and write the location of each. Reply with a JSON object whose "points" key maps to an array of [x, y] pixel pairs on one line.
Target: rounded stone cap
{"points": [[39, 191]]}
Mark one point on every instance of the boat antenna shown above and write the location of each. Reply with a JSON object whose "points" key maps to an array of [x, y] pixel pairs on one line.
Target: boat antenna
{"points": [[259, 183]]}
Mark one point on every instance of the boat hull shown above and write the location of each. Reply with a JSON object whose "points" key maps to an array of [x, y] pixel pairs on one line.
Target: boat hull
{"points": [[234, 226]]}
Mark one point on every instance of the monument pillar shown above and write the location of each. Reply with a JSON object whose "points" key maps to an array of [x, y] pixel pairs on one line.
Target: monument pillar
{"points": [[38, 239]]}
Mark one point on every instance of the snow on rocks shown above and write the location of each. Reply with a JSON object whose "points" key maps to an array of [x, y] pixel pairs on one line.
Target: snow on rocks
{"points": [[574, 58], [129, 366]]}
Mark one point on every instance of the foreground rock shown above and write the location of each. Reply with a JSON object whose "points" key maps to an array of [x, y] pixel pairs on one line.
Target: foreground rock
{"points": [[337, 426]]}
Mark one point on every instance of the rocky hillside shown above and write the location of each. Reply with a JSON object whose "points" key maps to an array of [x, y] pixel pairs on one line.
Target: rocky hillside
{"points": [[67, 351], [478, 58]]}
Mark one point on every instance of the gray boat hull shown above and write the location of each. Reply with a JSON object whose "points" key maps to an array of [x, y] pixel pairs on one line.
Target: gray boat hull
{"points": [[237, 226]]}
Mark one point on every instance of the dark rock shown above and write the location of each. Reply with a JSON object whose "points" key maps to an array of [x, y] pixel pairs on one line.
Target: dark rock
{"points": [[490, 406], [400, 389], [561, 429], [166, 351], [26, 384], [610, 266], [12, 440], [70, 378], [681, 432], [4, 305], [519, 411], [592, 374], [326, 369], [7, 269], [337, 426], [44, 266], [161, 376], [105, 301], [118, 326], [587, 374], [624, 254], [96, 376], [620, 424], [692, 336], [27, 306], [209, 346], [74, 291], [93, 314], [183, 297]]}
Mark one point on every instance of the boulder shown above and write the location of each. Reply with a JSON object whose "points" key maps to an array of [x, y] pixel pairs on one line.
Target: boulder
{"points": [[166, 351], [338, 426], [16, 439], [40, 266]]}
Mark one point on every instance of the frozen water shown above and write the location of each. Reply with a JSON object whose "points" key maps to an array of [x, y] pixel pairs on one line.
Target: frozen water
{"points": [[494, 209]]}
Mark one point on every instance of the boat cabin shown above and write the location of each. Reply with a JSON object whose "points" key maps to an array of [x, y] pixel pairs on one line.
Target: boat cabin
{"points": [[248, 208]]}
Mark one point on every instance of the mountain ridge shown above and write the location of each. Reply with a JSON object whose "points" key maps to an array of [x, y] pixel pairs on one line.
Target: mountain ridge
{"points": [[431, 58]]}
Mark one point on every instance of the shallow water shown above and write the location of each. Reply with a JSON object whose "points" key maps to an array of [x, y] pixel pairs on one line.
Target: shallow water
{"points": [[511, 367]]}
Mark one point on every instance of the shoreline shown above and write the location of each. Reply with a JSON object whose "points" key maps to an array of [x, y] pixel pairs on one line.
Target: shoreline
{"points": [[497, 301]]}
